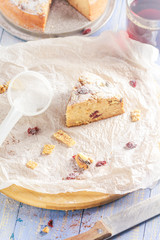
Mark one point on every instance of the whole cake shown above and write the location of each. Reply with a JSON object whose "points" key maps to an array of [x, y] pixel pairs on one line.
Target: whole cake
{"points": [[33, 14], [93, 99]]}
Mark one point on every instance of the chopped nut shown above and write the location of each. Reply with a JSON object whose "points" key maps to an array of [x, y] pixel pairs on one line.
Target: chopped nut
{"points": [[135, 115], [84, 80], [4, 87], [31, 164], [45, 230], [64, 138], [47, 149], [83, 161]]}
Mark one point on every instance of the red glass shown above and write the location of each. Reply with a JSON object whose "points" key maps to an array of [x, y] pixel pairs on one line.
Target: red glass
{"points": [[144, 21]]}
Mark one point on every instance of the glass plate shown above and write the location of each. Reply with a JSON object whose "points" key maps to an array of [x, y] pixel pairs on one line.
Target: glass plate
{"points": [[60, 23]]}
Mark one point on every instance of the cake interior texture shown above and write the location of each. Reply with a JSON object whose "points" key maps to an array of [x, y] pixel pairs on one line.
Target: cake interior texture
{"points": [[91, 111]]}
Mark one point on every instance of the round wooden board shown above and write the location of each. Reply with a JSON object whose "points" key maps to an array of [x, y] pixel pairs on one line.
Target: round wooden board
{"points": [[62, 201]]}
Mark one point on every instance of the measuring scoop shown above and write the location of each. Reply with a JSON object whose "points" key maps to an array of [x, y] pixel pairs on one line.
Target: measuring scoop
{"points": [[29, 94]]}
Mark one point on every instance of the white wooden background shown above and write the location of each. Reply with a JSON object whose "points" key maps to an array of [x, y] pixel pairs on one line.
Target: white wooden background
{"points": [[21, 222]]}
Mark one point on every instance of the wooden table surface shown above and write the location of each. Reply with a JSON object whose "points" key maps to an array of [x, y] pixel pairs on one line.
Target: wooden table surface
{"points": [[22, 222]]}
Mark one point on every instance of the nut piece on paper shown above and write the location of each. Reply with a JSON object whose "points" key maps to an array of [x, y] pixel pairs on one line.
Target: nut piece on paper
{"points": [[31, 164], [47, 149], [83, 161], [135, 115], [45, 230], [64, 138], [4, 87]]}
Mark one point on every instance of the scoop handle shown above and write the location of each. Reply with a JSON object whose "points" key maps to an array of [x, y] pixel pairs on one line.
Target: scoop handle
{"points": [[8, 123]]}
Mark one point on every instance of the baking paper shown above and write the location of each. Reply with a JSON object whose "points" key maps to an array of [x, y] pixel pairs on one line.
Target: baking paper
{"points": [[111, 56]]}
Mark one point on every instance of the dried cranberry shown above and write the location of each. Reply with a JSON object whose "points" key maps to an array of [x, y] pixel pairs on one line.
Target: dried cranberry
{"points": [[83, 90], [86, 31], [133, 83], [50, 223], [130, 145], [73, 156], [100, 163], [33, 131], [95, 115]]}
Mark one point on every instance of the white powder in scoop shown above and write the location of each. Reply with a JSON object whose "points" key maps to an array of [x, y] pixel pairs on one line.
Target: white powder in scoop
{"points": [[29, 95]]}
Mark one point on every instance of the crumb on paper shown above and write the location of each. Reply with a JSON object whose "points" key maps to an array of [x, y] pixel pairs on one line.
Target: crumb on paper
{"points": [[83, 161], [4, 87], [31, 164], [45, 230], [64, 138], [72, 176], [135, 115], [47, 149]]}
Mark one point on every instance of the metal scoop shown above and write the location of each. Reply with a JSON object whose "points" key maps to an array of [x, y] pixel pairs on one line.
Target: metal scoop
{"points": [[29, 94]]}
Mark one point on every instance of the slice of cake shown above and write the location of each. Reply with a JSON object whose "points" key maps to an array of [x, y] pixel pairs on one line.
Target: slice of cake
{"points": [[89, 8], [93, 99]]}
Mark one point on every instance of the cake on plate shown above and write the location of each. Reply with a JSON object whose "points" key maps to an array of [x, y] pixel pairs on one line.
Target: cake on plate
{"points": [[93, 99], [33, 14]]}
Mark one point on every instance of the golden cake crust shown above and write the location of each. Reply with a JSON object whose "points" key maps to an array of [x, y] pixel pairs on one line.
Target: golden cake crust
{"points": [[22, 18]]}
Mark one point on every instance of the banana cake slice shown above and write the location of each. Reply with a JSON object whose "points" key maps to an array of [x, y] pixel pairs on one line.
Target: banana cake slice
{"points": [[93, 99]]}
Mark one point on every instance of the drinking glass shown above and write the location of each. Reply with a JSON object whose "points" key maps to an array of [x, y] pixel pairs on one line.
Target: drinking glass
{"points": [[143, 21]]}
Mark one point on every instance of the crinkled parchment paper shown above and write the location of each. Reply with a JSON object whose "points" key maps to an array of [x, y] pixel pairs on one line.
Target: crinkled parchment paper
{"points": [[62, 60]]}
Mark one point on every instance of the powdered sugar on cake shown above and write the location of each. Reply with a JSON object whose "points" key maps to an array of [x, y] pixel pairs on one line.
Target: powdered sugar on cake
{"points": [[35, 7], [92, 86]]}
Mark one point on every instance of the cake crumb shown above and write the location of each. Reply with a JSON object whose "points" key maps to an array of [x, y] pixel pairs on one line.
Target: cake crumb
{"points": [[135, 115], [83, 161], [47, 149], [4, 87], [64, 138], [45, 230], [31, 164]]}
